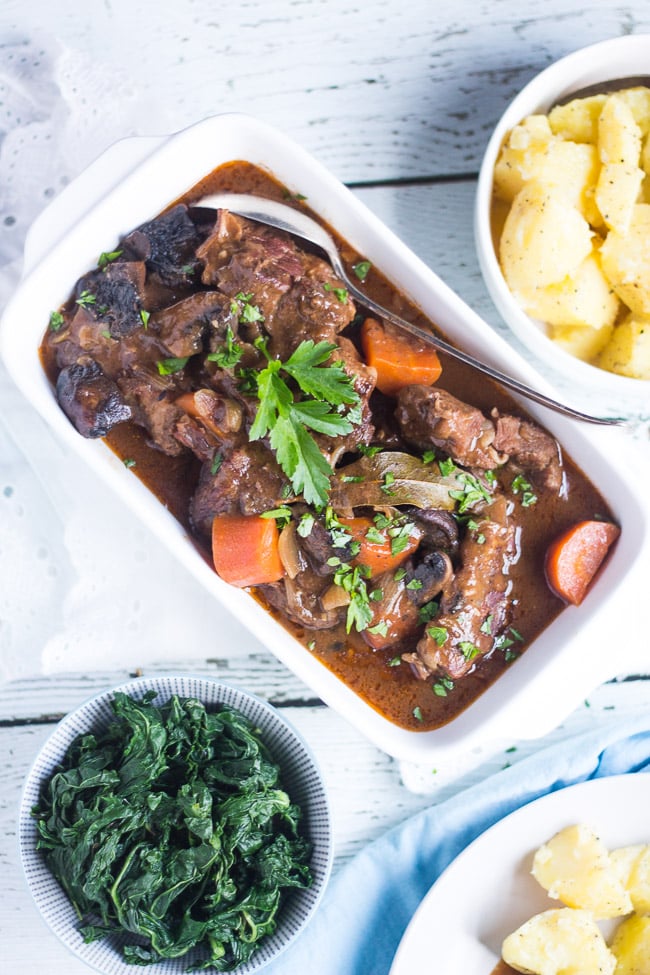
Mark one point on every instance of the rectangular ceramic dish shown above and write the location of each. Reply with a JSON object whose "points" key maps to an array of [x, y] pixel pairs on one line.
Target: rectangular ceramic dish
{"points": [[133, 182]]}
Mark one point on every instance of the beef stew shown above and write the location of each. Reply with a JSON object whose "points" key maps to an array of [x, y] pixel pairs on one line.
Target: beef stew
{"points": [[411, 526]]}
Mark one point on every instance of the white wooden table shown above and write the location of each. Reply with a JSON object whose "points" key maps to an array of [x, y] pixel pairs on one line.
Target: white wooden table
{"points": [[398, 100]]}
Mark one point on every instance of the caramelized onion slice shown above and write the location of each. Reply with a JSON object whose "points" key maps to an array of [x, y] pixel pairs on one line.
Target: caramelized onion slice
{"points": [[219, 414], [289, 551], [392, 478]]}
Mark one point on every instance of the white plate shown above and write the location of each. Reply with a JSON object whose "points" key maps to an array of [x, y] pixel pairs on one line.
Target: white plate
{"points": [[487, 892], [134, 181]]}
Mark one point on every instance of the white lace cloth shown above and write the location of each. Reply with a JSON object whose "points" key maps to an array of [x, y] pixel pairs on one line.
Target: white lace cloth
{"points": [[82, 584]]}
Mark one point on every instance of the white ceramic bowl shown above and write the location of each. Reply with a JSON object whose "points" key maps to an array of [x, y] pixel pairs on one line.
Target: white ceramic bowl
{"points": [[132, 183], [300, 777], [621, 57]]}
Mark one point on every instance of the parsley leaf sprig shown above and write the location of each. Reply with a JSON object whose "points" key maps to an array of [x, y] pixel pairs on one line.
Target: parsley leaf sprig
{"points": [[288, 420]]}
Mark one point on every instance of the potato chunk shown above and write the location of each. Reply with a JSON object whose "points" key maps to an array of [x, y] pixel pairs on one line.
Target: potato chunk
{"points": [[625, 260], [619, 137], [562, 941], [582, 299], [574, 867], [544, 240], [617, 192], [628, 350], [632, 864], [631, 946], [578, 119]]}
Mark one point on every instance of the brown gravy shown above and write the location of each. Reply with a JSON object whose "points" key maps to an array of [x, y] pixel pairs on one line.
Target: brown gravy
{"points": [[390, 689]]}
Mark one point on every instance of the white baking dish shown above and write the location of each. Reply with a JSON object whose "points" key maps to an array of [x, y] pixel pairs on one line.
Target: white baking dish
{"points": [[136, 179]]}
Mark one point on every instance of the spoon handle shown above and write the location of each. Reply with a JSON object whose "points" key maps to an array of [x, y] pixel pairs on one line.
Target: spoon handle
{"points": [[469, 360]]}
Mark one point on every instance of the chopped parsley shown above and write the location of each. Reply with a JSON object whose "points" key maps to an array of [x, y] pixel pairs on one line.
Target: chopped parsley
{"points": [[128, 462], [246, 312], [281, 515], [468, 650], [144, 317], [417, 713], [229, 354], [340, 293], [438, 634], [167, 367], [442, 687], [217, 461], [523, 487], [362, 269], [472, 491], [106, 258], [86, 298], [57, 321], [352, 579]]}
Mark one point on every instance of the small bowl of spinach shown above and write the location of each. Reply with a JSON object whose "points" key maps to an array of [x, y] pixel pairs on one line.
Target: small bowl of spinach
{"points": [[177, 823]]}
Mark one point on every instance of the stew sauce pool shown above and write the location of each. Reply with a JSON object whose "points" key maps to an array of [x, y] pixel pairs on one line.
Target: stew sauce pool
{"points": [[395, 680]]}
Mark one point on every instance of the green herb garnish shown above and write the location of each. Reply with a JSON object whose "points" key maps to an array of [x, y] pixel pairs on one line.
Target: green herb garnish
{"points": [[340, 293], [86, 298], [361, 269], [167, 367], [106, 258], [287, 420], [229, 354], [57, 321]]}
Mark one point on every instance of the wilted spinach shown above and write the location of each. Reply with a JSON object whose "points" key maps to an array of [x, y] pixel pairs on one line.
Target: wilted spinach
{"points": [[172, 825]]}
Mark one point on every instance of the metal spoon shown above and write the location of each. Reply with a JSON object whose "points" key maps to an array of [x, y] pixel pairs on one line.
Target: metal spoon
{"points": [[605, 88], [292, 221]]}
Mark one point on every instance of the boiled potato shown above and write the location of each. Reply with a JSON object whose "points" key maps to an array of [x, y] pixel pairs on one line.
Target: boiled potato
{"points": [[543, 241], [582, 299], [570, 168], [617, 192], [632, 863], [578, 119], [574, 867], [631, 946], [559, 942], [516, 160], [638, 101], [619, 137], [582, 341], [628, 350], [625, 260]]}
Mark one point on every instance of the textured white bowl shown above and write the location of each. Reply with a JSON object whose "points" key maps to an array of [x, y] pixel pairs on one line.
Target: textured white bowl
{"points": [[133, 182], [621, 57], [300, 776]]}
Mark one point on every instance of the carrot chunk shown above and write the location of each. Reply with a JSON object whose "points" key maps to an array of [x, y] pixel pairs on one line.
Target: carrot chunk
{"points": [[573, 559], [399, 358], [378, 550], [245, 549]]}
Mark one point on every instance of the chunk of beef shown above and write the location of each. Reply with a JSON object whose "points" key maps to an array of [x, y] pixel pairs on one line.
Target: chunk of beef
{"points": [[364, 378], [297, 293], [241, 257], [90, 399], [430, 417], [402, 598], [152, 400], [187, 325], [530, 447], [299, 600], [168, 246], [474, 605], [316, 307], [249, 481]]}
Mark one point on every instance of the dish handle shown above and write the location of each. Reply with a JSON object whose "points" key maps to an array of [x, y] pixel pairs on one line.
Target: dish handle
{"points": [[107, 171]]}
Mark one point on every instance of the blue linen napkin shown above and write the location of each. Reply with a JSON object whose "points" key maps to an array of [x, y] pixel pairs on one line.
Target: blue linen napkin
{"points": [[369, 903]]}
